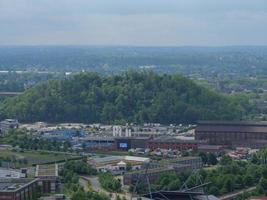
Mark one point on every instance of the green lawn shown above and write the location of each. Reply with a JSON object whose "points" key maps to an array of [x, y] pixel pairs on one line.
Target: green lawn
{"points": [[31, 157]]}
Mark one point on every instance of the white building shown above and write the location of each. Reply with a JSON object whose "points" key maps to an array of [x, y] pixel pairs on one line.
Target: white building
{"points": [[8, 124], [118, 164], [11, 173], [117, 131]]}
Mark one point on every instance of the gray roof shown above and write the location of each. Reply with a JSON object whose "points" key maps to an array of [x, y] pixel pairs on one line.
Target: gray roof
{"points": [[176, 195], [244, 123], [172, 140], [11, 185], [107, 159], [222, 126]]}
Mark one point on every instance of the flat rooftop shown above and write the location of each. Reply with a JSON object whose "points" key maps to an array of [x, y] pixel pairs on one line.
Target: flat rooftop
{"points": [[173, 140], [46, 170], [97, 138], [10, 173], [109, 159], [11, 185], [231, 126], [248, 123]]}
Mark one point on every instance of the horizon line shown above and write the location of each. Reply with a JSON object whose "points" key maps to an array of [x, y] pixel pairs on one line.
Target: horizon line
{"points": [[129, 46]]}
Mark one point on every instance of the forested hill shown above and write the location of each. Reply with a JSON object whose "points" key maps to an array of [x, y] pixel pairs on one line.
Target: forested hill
{"points": [[130, 97]]}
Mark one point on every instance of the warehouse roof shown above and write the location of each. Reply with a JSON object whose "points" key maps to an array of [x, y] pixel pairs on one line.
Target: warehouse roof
{"points": [[176, 195], [109, 159], [173, 140], [46, 170], [225, 126], [11, 185]]}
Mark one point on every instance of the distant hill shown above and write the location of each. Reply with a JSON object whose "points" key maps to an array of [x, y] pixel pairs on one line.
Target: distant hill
{"points": [[184, 60], [129, 97]]}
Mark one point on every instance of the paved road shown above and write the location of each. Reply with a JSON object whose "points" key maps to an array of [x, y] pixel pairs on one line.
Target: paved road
{"points": [[94, 182], [84, 183], [97, 187], [235, 194]]}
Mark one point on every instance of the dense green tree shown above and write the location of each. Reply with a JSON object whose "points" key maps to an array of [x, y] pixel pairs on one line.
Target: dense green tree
{"points": [[248, 180], [79, 195], [211, 159], [130, 97], [262, 186], [226, 160], [110, 183], [174, 185], [203, 157], [214, 190]]}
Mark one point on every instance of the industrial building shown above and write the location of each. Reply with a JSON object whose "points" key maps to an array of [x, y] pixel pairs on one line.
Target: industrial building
{"points": [[98, 143], [118, 164], [48, 178], [178, 195], [113, 143], [154, 169], [215, 149], [18, 189], [8, 124], [172, 143], [62, 134], [126, 143], [136, 131], [234, 134], [12, 173], [152, 173]]}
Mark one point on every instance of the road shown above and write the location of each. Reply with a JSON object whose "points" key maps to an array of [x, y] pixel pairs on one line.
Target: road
{"points": [[94, 182], [84, 183], [97, 187], [235, 194]]}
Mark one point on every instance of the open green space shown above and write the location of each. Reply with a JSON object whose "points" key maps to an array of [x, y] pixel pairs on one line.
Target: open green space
{"points": [[29, 158]]}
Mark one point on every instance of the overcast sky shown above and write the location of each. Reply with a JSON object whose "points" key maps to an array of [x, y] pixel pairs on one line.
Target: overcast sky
{"points": [[133, 22]]}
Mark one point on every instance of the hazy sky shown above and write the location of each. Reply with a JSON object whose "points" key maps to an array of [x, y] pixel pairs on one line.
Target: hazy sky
{"points": [[134, 22]]}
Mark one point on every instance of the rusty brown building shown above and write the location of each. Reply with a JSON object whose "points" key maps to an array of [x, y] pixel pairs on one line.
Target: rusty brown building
{"points": [[172, 143], [235, 134]]}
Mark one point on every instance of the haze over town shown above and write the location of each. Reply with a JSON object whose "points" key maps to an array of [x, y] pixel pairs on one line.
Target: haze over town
{"points": [[133, 100]]}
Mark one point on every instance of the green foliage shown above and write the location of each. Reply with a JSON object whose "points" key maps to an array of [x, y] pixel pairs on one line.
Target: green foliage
{"points": [[82, 195], [70, 178], [211, 159], [130, 97], [208, 158], [109, 183], [203, 157], [262, 186], [23, 140], [226, 160], [128, 166], [227, 177], [80, 167]]}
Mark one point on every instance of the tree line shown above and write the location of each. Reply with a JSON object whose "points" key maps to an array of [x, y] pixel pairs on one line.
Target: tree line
{"points": [[228, 176], [130, 97]]}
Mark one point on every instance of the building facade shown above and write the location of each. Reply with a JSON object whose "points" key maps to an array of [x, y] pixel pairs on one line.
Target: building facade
{"points": [[237, 134], [19, 189], [48, 178], [8, 124], [154, 170], [172, 143]]}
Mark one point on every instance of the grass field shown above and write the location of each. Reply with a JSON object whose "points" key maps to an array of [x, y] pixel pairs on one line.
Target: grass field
{"points": [[28, 158]]}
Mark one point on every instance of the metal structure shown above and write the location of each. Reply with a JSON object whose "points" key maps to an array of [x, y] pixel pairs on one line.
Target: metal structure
{"points": [[168, 195]]}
